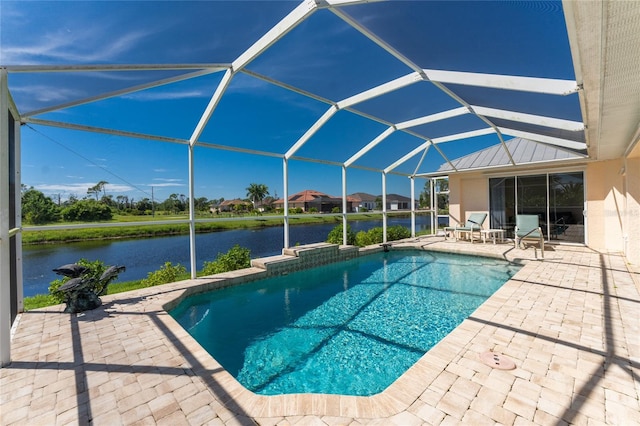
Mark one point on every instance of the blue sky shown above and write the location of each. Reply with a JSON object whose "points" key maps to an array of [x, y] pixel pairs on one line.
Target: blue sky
{"points": [[323, 55]]}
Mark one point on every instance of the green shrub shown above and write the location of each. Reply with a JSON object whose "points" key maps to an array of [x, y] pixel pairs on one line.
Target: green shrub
{"points": [[363, 239], [168, 273], [236, 258], [38, 208], [336, 209], [375, 235], [335, 235], [313, 210], [87, 211], [372, 236], [397, 232]]}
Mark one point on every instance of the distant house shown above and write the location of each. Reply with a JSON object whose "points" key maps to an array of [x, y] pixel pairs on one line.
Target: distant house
{"points": [[398, 202], [230, 205], [309, 199], [362, 200]]}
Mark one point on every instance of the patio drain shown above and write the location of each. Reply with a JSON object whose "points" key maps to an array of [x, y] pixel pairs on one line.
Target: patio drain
{"points": [[498, 361]]}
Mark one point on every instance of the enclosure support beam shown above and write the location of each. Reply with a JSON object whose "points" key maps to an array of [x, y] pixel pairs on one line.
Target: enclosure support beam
{"points": [[434, 213], [285, 184], [5, 255], [18, 209], [542, 138], [382, 136], [192, 216], [213, 103], [505, 82], [413, 207], [384, 207], [312, 130], [344, 206]]}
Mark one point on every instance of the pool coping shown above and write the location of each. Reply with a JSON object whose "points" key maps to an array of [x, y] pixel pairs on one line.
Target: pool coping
{"points": [[397, 397], [570, 323]]}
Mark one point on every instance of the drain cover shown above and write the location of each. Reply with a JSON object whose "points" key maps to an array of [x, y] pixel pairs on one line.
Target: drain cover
{"points": [[498, 361]]}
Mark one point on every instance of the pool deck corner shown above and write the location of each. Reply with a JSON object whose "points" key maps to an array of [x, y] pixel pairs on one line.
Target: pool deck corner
{"points": [[570, 323]]}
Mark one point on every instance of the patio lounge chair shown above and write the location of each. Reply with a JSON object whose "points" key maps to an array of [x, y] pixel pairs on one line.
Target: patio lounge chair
{"points": [[473, 224], [528, 227]]}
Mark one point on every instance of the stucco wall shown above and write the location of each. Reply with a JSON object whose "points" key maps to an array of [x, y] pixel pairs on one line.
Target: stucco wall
{"points": [[605, 205], [613, 203], [455, 215], [468, 194], [632, 223]]}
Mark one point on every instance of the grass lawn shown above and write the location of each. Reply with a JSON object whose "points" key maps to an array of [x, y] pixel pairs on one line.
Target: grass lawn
{"points": [[144, 229]]}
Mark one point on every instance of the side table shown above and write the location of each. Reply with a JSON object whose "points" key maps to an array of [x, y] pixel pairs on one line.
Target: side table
{"points": [[493, 234]]}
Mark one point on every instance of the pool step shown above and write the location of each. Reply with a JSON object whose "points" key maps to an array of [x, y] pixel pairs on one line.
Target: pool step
{"points": [[304, 257]]}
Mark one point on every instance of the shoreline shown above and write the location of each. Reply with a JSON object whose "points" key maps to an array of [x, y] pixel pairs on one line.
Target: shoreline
{"points": [[44, 236]]}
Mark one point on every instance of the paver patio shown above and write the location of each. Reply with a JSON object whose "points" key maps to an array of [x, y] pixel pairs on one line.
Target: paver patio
{"points": [[571, 324]]}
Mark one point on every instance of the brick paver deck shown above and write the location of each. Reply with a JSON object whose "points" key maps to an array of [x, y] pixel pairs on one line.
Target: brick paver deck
{"points": [[571, 323]]}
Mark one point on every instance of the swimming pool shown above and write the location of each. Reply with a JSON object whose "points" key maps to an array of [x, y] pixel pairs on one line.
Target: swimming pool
{"points": [[349, 328]]}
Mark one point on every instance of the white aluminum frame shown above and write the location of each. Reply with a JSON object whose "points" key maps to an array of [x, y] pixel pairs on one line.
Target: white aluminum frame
{"points": [[298, 15]]}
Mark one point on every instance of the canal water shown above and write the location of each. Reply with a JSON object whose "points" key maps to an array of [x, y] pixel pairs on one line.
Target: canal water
{"points": [[144, 255]]}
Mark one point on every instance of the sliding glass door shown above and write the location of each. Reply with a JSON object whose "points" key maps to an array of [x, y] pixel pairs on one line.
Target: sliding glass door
{"points": [[502, 200], [566, 207], [531, 196], [556, 198]]}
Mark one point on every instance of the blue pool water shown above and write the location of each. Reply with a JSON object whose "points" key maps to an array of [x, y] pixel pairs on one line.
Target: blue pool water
{"points": [[350, 328]]}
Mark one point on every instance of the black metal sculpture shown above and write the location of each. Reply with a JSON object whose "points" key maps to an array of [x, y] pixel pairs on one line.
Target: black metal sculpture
{"points": [[82, 292]]}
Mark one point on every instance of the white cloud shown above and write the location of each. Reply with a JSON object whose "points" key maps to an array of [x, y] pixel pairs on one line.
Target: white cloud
{"points": [[80, 188], [163, 185], [168, 180], [167, 95], [48, 94], [91, 44]]}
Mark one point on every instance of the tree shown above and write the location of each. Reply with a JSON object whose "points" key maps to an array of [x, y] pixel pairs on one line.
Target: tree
{"points": [[257, 192], [425, 195], [441, 187], [97, 189], [144, 205], [201, 204], [38, 208], [175, 203], [87, 211]]}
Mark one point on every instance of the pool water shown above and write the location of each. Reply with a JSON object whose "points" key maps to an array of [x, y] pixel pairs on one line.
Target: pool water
{"points": [[350, 328]]}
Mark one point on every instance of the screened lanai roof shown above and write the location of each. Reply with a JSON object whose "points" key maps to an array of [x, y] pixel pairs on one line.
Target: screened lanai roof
{"points": [[396, 86]]}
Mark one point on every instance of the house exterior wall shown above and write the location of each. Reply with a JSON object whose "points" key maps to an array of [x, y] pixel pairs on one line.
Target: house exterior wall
{"points": [[612, 199], [605, 205], [632, 228], [468, 193], [456, 214]]}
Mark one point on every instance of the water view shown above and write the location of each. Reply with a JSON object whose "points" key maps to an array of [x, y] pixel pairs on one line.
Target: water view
{"points": [[144, 255]]}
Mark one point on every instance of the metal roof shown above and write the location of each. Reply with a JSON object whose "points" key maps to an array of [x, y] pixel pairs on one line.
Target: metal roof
{"points": [[446, 85], [523, 151]]}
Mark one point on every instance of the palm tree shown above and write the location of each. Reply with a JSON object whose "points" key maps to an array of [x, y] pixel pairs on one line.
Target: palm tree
{"points": [[257, 192]]}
